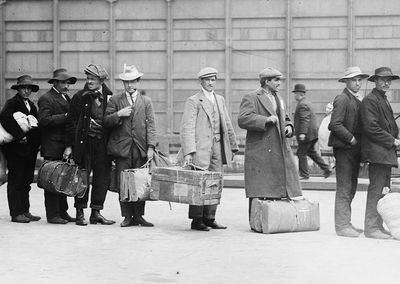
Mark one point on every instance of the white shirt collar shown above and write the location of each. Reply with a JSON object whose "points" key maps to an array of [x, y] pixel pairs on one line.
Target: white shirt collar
{"points": [[131, 96], [209, 95]]}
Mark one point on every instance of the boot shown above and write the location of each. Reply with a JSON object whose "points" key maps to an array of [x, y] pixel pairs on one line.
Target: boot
{"points": [[96, 217], [80, 217], [197, 224]]}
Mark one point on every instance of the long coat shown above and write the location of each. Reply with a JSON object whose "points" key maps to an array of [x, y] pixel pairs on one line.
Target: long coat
{"points": [[379, 130], [197, 130], [270, 169], [53, 109], [78, 121], [139, 128], [305, 121]]}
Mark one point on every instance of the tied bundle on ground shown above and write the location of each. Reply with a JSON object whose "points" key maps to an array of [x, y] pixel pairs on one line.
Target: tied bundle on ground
{"points": [[389, 209]]}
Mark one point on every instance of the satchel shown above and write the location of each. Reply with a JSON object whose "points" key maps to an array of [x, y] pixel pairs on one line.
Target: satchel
{"points": [[63, 177], [3, 168], [135, 184]]}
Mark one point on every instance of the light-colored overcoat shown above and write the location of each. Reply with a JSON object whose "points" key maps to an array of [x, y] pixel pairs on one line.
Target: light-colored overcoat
{"points": [[197, 130], [270, 170]]}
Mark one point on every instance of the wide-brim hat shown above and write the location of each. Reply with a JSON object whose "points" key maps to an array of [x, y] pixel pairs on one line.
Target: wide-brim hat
{"points": [[383, 72], [130, 73], [352, 72], [96, 70], [207, 72], [299, 88], [62, 75], [23, 81], [270, 72]]}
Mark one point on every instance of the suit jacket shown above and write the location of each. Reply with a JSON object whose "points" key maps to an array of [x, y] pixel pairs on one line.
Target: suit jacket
{"points": [[270, 169], [305, 121], [197, 130], [345, 120], [139, 128], [53, 109], [16, 104], [379, 130]]}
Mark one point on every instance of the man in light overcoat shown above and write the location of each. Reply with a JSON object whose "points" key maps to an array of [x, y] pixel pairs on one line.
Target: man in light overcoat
{"points": [[208, 140]]}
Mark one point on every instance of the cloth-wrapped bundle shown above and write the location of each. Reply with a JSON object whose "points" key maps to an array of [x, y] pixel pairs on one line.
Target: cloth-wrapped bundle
{"points": [[389, 209], [26, 122]]}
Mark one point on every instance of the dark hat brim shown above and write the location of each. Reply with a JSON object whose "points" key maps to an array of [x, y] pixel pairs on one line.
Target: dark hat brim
{"points": [[34, 87], [392, 77]]}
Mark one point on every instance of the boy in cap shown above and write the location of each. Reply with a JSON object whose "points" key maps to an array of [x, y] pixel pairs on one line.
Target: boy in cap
{"points": [[87, 141], [378, 147], [270, 170], [306, 130], [207, 139], [130, 118], [345, 138]]}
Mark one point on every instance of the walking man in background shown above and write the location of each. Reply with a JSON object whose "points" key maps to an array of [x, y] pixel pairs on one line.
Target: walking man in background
{"points": [[306, 130]]}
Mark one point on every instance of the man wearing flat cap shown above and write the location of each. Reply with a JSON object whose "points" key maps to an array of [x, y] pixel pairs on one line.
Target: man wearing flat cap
{"points": [[53, 109], [130, 118], [270, 169], [345, 138], [21, 153], [378, 147], [306, 131], [207, 139], [87, 141]]}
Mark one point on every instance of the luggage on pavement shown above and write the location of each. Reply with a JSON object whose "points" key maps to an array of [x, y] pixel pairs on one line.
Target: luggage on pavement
{"points": [[135, 184], [389, 209]]}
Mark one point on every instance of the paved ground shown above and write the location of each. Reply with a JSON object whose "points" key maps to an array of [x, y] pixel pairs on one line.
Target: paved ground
{"points": [[171, 253]]}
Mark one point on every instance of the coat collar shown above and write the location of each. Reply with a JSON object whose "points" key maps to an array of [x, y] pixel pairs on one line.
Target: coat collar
{"points": [[265, 101], [205, 103]]}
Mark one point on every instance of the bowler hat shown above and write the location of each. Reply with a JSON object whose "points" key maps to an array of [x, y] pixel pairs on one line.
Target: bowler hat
{"points": [[96, 70], [62, 75], [207, 72], [130, 73], [352, 72], [299, 88], [383, 72], [270, 72], [23, 81]]}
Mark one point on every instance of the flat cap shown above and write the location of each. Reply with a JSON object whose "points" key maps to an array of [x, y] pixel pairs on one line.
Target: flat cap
{"points": [[96, 70], [270, 72], [207, 72]]}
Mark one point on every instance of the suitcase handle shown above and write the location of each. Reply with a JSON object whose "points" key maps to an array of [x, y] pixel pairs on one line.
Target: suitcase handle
{"points": [[192, 166]]}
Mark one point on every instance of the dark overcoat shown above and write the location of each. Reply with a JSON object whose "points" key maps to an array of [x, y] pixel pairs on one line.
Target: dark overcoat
{"points": [[305, 121], [53, 109], [379, 130], [270, 169], [139, 128]]}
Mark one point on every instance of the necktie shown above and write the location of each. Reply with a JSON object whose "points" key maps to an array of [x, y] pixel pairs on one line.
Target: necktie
{"points": [[27, 105]]}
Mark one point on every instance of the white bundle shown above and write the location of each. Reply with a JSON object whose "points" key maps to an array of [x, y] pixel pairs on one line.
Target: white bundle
{"points": [[389, 209], [26, 122]]}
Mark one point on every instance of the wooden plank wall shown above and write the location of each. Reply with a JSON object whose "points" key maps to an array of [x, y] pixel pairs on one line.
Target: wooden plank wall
{"points": [[311, 41]]}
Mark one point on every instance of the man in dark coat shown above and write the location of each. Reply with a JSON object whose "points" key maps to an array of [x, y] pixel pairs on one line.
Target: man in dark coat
{"points": [[87, 141], [22, 152], [378, 147], [53, 109], [345, 137], [270, 170], [306, 130], [130, 118]]}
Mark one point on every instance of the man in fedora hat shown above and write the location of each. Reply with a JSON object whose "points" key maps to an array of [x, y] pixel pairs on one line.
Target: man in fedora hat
{"points": [[87, 141], [130, 118], [21, 153], [378, 147], [345, 137], [53, 109], [269, 169], [207, 140], [306, 131]]}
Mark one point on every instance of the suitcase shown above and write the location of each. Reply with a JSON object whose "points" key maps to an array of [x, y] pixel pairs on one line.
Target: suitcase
{"points": [[63, 177], [135, 185], [389, 209], [193, 187], [279, 216]]}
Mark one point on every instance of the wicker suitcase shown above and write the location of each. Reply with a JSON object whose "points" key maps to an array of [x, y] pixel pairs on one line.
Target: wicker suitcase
{"points": [[279, 216], [194, 187], [389, 209]]}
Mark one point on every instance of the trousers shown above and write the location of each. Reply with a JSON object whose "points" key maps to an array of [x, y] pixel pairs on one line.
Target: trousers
{"points": [[308, 149]]}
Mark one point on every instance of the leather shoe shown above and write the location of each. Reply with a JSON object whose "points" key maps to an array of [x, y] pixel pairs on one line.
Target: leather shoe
{"points": [[20, 219], [197, 224], [377, 235], [127, 222], [304, 178], [327, 173], [67, 217], [31, 217], [96, 217], [357, 229], [139, 220], [348, 232], [214, 225], [80, 218], [57, 220]]}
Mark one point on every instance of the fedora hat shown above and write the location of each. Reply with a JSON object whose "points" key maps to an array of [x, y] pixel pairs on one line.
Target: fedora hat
{"points": [[23, 81], [383, 72], [352, 72], [207, 72], [270, 72], [62, 75], [130, 73], [96, 70], [299, 88]]}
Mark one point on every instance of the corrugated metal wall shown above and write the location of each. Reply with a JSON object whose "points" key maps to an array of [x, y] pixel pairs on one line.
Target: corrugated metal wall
{"points": [[311, 41]]}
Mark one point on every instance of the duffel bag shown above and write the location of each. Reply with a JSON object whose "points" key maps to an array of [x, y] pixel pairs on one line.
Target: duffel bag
{"points": [[389, 209], [63, 177]]}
